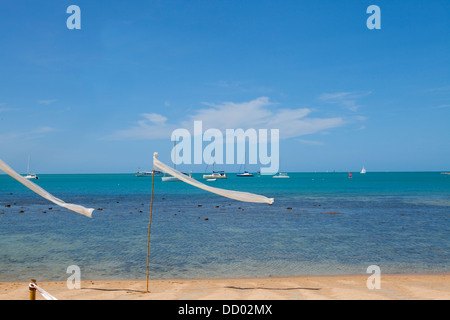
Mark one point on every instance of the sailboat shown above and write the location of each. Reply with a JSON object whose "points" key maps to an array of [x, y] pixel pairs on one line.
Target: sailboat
{"points": [[215, 175], [148, 173], [169, 178], [363, 170], [281, 175], [245, 174], [30, 175], [350, 175]]}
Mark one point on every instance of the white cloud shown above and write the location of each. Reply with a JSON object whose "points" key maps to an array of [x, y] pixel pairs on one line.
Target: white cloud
{"points": [[47, 102], [43, 130], [260, 113], [152, 127], [311, 142], [26, 135], [347, 100]]}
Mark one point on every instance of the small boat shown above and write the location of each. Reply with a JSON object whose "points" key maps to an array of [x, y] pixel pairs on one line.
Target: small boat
{"points": [[281, 176], [211, 179], [245, 174], [350, 175], [30, 175], [169, 178], [148, 173], [363, 170], [215, 175]]}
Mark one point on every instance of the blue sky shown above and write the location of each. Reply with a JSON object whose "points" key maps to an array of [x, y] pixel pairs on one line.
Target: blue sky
{"points": [[104, 98]]}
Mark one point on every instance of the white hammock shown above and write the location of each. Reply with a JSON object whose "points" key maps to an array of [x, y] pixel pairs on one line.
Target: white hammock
{"points": [[236, 195], [30, 185]]}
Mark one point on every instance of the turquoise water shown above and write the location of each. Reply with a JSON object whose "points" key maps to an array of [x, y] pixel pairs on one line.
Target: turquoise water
{"points": [[398, 221]]}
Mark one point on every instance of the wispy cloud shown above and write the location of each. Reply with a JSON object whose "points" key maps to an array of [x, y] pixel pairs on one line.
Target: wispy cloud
{"points": [[43, 130], [311, 142], [36, 133], [47, 102], [4, 108], [346, 100], [152, 126], [443, 106], [259, 113]]}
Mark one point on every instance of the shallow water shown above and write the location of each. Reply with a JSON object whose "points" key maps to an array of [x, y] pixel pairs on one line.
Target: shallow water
{"points": [[398, 221]]}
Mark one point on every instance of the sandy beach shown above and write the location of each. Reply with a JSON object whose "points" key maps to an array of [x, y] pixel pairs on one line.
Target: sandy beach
{"points": [[353, 287]]}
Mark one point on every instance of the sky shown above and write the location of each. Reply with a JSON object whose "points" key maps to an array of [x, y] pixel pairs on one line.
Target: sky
{"points": [[103, 98]]}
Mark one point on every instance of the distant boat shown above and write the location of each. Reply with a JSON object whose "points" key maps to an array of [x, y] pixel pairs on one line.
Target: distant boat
{"points": [[215, 175], [173, 179], [245, 174], [281, 176], [448, 173], [169, 178], [30, 175], [363, 170], [350, 175], [148, 173], [211, 179]]}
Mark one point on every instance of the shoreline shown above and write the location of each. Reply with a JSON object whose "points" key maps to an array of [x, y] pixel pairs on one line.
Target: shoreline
{"points": [[328, 287]]}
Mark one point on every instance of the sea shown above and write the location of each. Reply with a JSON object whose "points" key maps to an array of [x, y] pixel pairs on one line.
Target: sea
{"points": [[319, 224]]}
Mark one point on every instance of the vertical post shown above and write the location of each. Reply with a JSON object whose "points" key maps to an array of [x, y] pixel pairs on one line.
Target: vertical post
{"points": [[150, 225], [32, 290]]}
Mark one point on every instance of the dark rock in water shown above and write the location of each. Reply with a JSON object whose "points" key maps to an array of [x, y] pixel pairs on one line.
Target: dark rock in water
{"points": [[332, 213], [50, 208], [11, 194], [206, 219], [100, 209], [217, 206], [199, 205], [289, 208], [21, 211], [8, 206], [44, 211], [1, 212]]}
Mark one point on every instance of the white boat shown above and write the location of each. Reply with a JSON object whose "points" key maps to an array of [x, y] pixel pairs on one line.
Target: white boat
{"points": [[148, 173], [211, 179], [30, 175], [215, 175], [281, 176], [245, 174], [168, 178], [363, 170]]}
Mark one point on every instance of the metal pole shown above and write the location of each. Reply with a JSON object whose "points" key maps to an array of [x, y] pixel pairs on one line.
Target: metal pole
{"points": [[150, 225]]}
